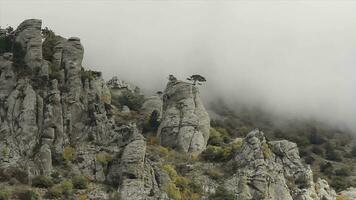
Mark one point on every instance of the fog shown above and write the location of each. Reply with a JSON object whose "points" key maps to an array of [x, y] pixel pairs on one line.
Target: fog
{"points": [[291, 58]]}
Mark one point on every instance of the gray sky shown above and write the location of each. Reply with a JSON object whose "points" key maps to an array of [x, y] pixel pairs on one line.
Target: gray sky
{"points": [[291, 57]]}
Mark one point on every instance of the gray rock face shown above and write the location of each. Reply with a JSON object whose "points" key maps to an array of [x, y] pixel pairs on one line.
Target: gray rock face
{"points": [[117, 88], [185, 123], [28, 34], [39, 121], [350, 193], [273, 170]]}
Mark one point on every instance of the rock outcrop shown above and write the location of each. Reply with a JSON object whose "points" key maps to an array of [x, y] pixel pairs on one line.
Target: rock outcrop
{"points": [[273, 170], [58, 118], [185, 123], [348, 194]]}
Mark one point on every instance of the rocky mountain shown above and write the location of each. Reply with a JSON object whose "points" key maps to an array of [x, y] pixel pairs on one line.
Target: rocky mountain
{"points": [[65, 133]]}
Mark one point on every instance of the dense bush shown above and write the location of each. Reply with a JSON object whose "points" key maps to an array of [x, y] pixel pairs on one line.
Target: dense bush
{"points": [[50, 41], [4, 194], [218, 138], [317, 150], [152, 123], [133, 100], [222, 194], [14, 173], [103, 158], [79, 182], [172, 191], [5, 44], [28, 195], [331, 154], [339, 183], [353, 151], [343, 172], [65, 189], [327, 168], [42, 182], [221, 153], [68, 154], [181, 188]]}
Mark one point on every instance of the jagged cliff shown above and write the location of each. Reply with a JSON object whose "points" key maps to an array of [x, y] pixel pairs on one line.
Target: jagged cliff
{"points": [[59, 120]]}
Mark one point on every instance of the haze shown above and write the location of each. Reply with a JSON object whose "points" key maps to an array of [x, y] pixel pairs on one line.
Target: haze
{"points": [[293, 58]]}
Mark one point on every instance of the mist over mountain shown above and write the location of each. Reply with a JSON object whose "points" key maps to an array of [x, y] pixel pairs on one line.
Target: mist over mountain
{"points": [[294, 59]]}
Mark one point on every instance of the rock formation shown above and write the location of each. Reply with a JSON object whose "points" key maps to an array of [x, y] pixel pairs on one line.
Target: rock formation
{"points": [[58, 118], [273, 170], [185, 123]]}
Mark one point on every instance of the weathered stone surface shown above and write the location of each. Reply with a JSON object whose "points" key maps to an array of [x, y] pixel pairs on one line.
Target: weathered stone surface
{"points": [[349, 194], [273, 170], [185, 123], [118, 88], [28, 34]]}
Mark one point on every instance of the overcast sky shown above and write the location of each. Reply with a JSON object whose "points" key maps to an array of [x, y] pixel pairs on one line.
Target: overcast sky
{"points": [[291, 57]]}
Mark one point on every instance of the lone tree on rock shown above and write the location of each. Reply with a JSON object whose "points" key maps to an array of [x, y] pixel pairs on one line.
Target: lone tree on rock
{"points": [[196, 78]]}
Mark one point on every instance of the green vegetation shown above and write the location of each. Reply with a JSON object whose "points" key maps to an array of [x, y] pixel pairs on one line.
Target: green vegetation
{"points": [[103, 158], [28, 195], [181, 188], [69, 154], [4, 194], [133, 100], [266, 150], [50, 41], [173, 192], [42, 182], [64, 189], [5, 44], [151, 125], [80, 182], [4, 152]]}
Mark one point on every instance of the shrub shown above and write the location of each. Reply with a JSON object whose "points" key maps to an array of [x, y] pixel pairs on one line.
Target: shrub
{"points": [[103, 158], [51, 39], [213, 153], [266, 150], [4, 194], [54, 193], [29, 195], [339, 183], [152, 123], [353, 151], [341, 197], [42, 182], [327, 168], [343, 172], [218, 136], [153, 140], [172, 191], [331, 154], [171, 172], [4, 152], [63, 189], [215, 137], [214, 174], [131, 99], [317, 150], [222, 194], [68, 154], [79, 182], [309, 160]]}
